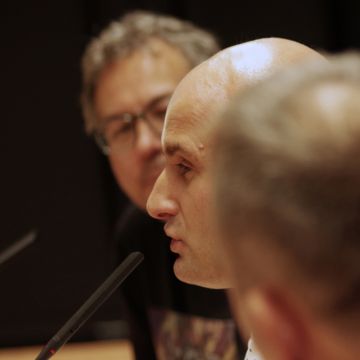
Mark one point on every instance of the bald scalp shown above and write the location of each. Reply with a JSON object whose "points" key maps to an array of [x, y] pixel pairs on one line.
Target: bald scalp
{"points": [[239, 66], [209, 87]]}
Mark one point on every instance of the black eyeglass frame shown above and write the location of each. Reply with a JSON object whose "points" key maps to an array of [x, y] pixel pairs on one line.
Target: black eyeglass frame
{"points": [[99, 137]]}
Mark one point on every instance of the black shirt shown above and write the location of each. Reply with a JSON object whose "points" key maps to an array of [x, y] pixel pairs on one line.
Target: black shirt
{"points": [[169, 319]]}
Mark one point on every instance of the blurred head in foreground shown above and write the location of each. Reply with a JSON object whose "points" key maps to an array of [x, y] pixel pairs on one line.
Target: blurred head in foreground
{"points": [[181, 195], [287, 190], [129, 73]]}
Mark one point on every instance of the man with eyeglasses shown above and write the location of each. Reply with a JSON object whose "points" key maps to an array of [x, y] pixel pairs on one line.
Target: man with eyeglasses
{"points": [[129, 73]]}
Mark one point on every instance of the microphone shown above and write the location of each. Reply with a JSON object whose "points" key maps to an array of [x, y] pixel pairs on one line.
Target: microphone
{"points": [[17, 246], [91, 305]]}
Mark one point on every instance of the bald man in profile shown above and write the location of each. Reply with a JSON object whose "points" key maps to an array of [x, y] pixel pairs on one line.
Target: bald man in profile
{"points": [[181, 196]]}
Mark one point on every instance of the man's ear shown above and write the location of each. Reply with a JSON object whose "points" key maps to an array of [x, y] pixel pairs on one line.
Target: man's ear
{"points": [[278, 329]]}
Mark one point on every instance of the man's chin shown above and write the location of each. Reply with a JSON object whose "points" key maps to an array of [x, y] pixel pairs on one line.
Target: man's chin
{"points": [[180, 270], [187, 273]]}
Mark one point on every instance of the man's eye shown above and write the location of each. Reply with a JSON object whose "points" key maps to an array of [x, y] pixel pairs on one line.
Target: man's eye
{"points": [[118, 129], [183, 169]]}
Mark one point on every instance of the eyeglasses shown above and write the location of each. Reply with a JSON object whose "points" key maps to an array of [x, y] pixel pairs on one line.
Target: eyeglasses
{"points": [[120, 132]]}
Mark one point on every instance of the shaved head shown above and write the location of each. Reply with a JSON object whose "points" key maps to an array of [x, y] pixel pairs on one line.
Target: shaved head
{"points": [[234, 69], [181, 196]]}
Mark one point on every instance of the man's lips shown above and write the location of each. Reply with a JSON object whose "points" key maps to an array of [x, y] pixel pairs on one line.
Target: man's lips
{"points": [[176, 245]]}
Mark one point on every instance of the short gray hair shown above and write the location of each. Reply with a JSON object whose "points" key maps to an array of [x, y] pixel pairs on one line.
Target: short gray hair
{"points": [[287, 173], [121, 37]]}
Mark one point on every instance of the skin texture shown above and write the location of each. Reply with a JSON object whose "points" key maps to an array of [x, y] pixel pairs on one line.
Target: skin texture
{"points": [[130, 85], [182, 194]]}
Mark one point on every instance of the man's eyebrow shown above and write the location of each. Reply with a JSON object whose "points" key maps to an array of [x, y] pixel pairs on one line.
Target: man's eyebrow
{"points": [[149, 105], [174, 149]]}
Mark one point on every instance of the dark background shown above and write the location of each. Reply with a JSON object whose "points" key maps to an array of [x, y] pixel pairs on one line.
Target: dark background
{"points": [[54, 180]]}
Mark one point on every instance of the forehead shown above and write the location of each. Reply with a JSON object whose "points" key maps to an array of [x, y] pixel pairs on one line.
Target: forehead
{"points": [[149, 71], [192, 109]]}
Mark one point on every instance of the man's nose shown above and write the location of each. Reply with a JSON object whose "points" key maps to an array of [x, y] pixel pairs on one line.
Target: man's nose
{"points": [[147, 141], [160, 204]]}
